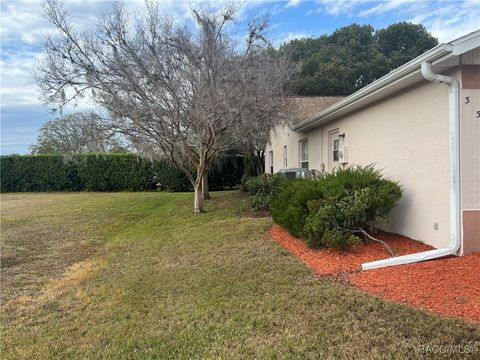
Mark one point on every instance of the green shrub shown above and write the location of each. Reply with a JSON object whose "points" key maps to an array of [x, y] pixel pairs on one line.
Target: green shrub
{"points": [[105, 172], [326, 212], [260, 202], [335, 217], [114, 172], [37, 173], [339, 240], [168, 178], [262, 190], [290, 205]]}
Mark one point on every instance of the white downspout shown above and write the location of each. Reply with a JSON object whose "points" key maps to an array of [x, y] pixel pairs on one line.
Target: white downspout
{"points": [[454, 146]]}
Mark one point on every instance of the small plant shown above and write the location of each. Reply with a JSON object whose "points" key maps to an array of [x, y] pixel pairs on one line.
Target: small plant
{"points": [[262, 190], [330, 222], [290, 205]]}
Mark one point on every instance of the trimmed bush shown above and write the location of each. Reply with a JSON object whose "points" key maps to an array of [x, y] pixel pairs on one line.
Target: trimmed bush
{"points": [[329, 212], [168, 178], [290, 205], [330, 220], [37, 173], [262, 190], [114, 172], [105, 172]]}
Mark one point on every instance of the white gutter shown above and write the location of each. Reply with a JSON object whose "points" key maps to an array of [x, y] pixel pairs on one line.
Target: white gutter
{"points": [[454, 145]]}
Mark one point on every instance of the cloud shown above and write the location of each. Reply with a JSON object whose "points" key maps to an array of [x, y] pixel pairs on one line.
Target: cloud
{"points": [[294, 35], [22, 20], [339, 7], [16, 71], [383, 7], [452, 20], [446, 20], [292, 3]]}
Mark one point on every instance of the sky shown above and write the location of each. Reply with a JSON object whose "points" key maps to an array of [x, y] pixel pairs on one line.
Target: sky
{"points": [[23, 31]]}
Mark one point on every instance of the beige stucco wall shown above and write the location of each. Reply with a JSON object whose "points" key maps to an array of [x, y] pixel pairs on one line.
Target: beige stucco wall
{"points": [[405, 135], [282, 135]]}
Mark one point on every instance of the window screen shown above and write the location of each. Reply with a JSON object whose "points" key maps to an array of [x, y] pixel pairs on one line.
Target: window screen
{"points": [[304, 154], [336, 146]]}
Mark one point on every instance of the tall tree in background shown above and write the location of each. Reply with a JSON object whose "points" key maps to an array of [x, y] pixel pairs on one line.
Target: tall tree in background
{"points": [[403, 41], [176, 91], [75, 134], [354, 56]]}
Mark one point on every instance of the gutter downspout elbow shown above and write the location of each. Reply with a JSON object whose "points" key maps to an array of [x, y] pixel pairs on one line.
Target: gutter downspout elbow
{"points": [[454, 179], [454, 146]]}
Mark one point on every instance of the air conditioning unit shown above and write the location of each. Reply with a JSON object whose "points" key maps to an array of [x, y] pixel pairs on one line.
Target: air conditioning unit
{"points": [[295, 173]]}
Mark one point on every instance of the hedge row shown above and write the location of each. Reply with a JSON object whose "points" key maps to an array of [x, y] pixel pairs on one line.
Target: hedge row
{"points": [[107, 172]]}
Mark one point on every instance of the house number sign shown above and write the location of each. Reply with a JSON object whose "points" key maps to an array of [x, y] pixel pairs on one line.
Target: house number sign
{"points": [[467, 100]]}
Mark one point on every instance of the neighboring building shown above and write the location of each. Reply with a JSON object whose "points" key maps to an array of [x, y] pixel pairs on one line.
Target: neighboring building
{"points": [[400, 123]]}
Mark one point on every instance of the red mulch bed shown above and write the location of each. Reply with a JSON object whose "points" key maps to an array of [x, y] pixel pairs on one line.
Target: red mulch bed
{"points": [[328, 261], [448, 287]]}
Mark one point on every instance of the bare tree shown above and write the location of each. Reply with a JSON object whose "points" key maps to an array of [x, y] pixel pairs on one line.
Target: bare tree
{"points": [[75, 134], [175, 90]]}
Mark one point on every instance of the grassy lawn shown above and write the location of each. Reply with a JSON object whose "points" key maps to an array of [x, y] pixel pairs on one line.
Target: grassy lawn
{"points": [[137, 275]]}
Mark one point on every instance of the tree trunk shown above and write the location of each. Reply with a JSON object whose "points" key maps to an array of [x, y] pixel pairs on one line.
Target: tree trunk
{"points": [[205, 192], [198, 202]]}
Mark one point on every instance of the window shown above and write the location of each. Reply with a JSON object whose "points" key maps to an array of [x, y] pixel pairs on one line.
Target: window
{"points": [[336, 146], [285, 162], [270, 161], [304, 154]]}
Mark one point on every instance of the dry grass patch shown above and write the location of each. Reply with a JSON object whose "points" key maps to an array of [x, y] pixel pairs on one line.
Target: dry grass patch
{"points": [[160, 282]]}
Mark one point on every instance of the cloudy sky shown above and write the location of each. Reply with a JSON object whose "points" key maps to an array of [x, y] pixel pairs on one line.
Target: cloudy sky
{"points": [[23, 30]]}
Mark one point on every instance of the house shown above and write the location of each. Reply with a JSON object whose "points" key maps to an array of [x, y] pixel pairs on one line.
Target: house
{"points": [[420, 128], [285, 144]]}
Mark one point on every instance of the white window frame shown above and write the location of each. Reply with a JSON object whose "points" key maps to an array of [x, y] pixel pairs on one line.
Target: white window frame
{"points": [[336, 152], [333, 136], [304, 163]]}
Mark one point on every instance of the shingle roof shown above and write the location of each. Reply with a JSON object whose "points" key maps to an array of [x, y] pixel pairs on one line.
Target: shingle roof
{"points": [[305, 107]]}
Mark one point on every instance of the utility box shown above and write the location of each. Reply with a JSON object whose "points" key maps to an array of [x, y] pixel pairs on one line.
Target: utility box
{"points": [[295, 173], [345, 159]]}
